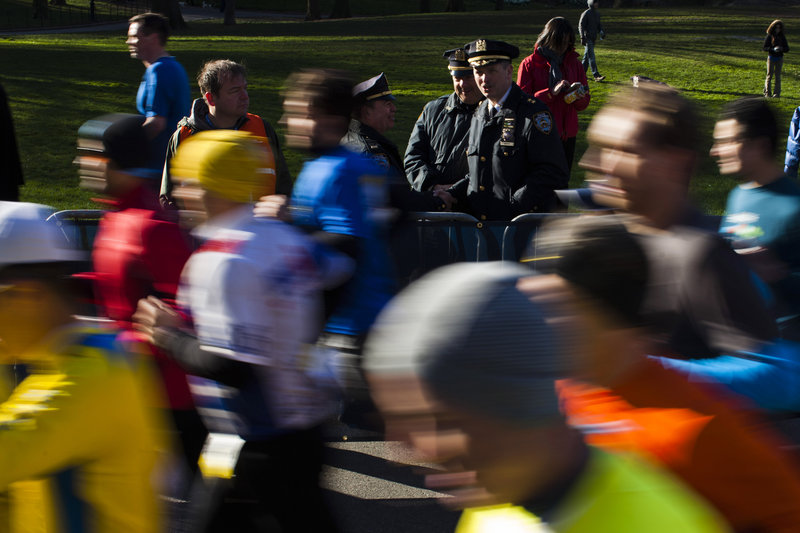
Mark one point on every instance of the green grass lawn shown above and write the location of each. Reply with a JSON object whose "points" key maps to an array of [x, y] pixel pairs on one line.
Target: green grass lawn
{"points": [[56, 82]]}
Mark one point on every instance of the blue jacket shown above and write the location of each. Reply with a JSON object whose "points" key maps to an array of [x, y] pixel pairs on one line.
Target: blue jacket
{"points": [[793, 146]]}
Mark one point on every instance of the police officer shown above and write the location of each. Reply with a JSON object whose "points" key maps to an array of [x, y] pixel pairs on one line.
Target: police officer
{"points": [[436, 153], [514, 152], [373, 115]]}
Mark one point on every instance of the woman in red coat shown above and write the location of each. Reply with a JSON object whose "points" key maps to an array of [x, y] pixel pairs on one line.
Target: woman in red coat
{"points": [[554, 75]]}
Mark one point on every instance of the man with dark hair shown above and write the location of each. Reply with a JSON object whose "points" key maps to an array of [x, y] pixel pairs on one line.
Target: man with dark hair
{"points": [[702, 302], [514, 153], [642, 153], [762, 216], [164, 96], [626, 401], [341, 199], [223, 105], [139, 251], [437, 150]]}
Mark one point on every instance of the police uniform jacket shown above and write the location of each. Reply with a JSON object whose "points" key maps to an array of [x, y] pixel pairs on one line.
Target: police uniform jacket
{"points": [[364, 139], [515, 160], [436, 152]]}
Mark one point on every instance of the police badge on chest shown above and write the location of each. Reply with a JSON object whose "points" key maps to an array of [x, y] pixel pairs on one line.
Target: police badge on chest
{"points": [[507, 135]]}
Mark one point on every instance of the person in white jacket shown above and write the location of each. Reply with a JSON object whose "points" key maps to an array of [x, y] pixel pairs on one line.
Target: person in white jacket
{"points": [[253, 290]]}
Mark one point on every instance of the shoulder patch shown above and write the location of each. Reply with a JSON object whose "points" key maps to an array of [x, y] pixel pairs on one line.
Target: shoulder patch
{"points": [[543, 122], [381, 159]]}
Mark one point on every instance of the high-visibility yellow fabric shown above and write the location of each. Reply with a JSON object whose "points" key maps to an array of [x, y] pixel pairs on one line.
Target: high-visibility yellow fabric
{"points": [[81, 422], [616, 494]]}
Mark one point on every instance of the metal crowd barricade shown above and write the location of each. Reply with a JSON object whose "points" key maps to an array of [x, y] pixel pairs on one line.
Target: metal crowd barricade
{"points": [[519, 235], [425, 241], [78, 225]]}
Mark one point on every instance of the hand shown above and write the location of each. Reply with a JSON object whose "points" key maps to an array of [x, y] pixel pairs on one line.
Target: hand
{"points": [[446, 197], [273, 206], [442, 187], [152, 314], [560, 86]]}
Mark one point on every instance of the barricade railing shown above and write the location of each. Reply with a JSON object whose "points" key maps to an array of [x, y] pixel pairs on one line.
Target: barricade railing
{"points": [[519, 236], [428, 240], [79, 226], [423, 242]]}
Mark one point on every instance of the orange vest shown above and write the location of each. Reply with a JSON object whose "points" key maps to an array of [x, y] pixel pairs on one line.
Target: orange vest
{"points": [[253, 125]]}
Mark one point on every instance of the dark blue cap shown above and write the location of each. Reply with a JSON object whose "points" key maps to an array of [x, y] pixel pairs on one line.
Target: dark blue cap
{"points": [[376, 88], [485, 52], [457, 62]]}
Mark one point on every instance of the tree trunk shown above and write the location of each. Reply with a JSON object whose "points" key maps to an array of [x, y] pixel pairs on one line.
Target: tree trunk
{"points": [[341, 9], [424, 6], [455, 5], [312, 10], [171, 10], [230, 13], [40, 9], [498, 5]]}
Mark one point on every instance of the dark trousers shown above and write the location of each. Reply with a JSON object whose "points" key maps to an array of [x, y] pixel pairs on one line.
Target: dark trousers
{"points": [[274, 488], [569, 150]]}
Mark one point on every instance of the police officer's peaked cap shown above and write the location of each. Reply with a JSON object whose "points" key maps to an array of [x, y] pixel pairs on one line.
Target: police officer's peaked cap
{"points": [[485, 52], [376, 88], [457, 62]]}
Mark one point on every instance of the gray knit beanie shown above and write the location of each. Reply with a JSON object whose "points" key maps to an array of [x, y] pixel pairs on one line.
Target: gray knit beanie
{"points": [[475, 340]]}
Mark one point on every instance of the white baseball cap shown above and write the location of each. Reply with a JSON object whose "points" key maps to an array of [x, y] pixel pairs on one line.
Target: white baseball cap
{"points": [[26, 236]]}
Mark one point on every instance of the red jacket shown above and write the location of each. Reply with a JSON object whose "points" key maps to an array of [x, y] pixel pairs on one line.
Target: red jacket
{"points": [[533, 76], [139, 251]]}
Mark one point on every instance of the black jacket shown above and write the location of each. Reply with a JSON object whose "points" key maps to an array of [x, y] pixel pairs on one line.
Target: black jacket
{"points": [[437, 149], [366, 140], [516, 160], [779, 41]]}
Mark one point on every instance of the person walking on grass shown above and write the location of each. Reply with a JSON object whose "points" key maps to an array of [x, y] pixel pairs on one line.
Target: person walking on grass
{"points": [[775, 45], [590, 28]]}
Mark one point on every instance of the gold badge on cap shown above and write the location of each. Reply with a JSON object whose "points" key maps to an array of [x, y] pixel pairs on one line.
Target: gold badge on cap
{"points": [[460, 55], [480, 45]]}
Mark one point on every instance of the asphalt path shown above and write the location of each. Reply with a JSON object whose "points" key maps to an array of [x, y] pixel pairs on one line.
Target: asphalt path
{"points": [[377, 487]]}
